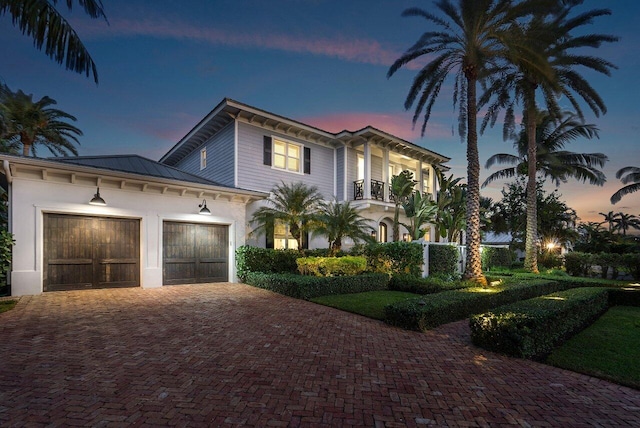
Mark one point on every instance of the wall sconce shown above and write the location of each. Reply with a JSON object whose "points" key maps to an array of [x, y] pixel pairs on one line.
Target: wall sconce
{"points": [[203, 208], [374, 235], [97, 200], [405, 237]]}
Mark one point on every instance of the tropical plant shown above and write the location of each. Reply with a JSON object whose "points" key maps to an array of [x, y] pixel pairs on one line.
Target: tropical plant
{"points": [[401, 188], [625, 222], [468, 40], [296, 205], [451, 202], [34, 124], [552, 162], [338, 220], [40, 20], [610, 219], [420, 209], [549, 33], [629, 175], [592, 238]]}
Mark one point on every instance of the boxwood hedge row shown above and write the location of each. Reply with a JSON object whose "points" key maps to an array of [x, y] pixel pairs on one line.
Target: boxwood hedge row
{"points": [[308, 287], [532, 328]]}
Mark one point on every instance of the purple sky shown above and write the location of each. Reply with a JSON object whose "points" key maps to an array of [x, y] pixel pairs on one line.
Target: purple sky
{"points": [[163, 65]]}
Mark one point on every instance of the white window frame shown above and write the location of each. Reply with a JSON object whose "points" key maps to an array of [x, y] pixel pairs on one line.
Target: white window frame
{"points": [[287, 144], [203, 158]]}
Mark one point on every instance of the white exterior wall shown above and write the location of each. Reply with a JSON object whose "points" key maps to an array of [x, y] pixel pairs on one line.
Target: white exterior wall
{"points": [[33, 198]]}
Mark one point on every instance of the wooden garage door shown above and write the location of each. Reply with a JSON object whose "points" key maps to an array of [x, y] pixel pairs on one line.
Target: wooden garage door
{"points": [[90, 252], [195, 253]]}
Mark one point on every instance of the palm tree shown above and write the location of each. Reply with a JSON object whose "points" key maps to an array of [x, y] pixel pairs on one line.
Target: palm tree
{"points": [[610, 218], [419, 209], [338, 220], [41, 20], [448, 198], [295, 205], [625, 222], [553, 163], [468, 40], [549, 33], [33, 124], [629, 175], [401, 188]]}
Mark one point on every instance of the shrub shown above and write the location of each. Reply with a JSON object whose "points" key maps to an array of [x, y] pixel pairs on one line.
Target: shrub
{"points": [[624, 297], [308, 287], [631, 265], [578, 264], [430, 311], [443, 259], [606, 261], [266, 260], [496, 257], [6, 245], [549, 260], [429, 285], [531, 328], [394, 258], [332, 266]]}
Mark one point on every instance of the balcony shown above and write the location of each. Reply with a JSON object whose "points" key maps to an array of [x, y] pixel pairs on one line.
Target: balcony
{"points": [[377, 190]]}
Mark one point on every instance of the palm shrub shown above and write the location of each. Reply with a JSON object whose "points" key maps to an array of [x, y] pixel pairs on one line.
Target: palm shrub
{"points": [[339, 220]]}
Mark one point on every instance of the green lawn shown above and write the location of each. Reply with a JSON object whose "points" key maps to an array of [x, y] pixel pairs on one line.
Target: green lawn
{"points": [[370, 304], [609, 349], [7, 305]]}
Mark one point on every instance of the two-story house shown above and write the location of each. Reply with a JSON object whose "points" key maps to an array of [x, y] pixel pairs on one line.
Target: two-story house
{"points": [[127, 221], [249, 148]]}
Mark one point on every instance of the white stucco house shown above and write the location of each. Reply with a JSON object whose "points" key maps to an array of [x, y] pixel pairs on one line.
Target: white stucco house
{"points": [[149, 230]]}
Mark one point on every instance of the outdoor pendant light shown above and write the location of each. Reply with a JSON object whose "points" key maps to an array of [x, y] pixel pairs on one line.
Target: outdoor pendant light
{"points": [[97, 200], [203, 208]]}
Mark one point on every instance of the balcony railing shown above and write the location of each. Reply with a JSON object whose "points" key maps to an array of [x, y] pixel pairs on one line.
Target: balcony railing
{"points": [[377, 190]]}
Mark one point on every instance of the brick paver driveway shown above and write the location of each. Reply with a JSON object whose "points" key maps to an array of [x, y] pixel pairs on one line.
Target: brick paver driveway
{"points": [[232, 355]]}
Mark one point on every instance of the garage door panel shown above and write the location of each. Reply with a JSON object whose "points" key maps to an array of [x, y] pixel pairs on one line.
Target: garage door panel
{"points": [[194, 253], [90, 252]]}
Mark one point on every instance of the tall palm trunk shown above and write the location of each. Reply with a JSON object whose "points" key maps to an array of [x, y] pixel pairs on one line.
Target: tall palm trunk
{"points": [[473, 266], [531, 248], [26, 144]]}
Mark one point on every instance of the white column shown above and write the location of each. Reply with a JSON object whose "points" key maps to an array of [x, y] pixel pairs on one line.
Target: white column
{"points": [[385, 173], [367, 170], [419, 177]]}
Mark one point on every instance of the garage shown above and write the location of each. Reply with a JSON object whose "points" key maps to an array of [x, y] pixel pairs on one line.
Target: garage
{"points": [[195, 253], [83, 252]]}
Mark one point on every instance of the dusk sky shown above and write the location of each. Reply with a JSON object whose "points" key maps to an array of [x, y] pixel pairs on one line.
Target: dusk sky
{"points": [[163, 65]]}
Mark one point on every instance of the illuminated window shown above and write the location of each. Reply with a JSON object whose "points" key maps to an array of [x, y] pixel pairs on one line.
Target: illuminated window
{"points": [[382, 232], [203, 159], [282, 239], [360, 169], [426, 184], [287, 156]]}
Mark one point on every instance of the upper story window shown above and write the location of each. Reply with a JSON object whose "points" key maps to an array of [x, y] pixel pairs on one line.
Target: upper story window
{"points": [[203, 159], [287, 155], [426, 182], [360, 169]]}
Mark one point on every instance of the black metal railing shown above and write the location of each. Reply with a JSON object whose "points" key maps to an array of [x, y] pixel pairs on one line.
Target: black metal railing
{"points": [[377, 190]]}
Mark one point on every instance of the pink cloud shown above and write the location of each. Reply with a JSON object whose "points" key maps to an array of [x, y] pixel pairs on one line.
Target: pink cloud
{"points": [[348, 49], [396, 124]]}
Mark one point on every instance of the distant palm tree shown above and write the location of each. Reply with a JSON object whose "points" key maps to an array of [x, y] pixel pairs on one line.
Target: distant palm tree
{"points": [[41, 20], [629, 175], [296, 205], [467, 41], [401, 188], [338, 220], [553, 162], [610, 220], [625, 222], [34, 124], [550, 34]]}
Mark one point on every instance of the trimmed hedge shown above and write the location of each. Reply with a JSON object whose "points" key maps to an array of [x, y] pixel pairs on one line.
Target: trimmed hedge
{"points": [[394, 258], [308, 287], [443, 259], [496, 257], [430, 311], [266, 260], [531, 328], [624, 297], [429, 285], [332, 266]]}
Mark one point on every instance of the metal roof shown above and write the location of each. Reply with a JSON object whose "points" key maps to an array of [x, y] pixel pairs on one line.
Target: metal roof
{"points": [[137, 165]]}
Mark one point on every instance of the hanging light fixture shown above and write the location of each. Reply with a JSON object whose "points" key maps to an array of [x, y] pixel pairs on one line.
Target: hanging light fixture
{"points": [[203, 208], [97, 200]]}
